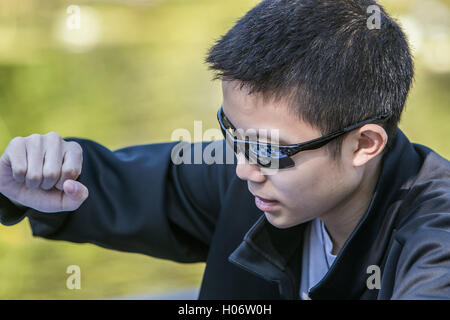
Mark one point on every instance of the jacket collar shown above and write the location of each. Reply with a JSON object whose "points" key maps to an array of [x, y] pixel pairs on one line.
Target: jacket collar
{"points": [[275, 254]]}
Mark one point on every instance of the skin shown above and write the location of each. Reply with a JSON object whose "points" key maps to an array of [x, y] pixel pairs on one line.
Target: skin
{"points": [[40, 172], [337, 192]]}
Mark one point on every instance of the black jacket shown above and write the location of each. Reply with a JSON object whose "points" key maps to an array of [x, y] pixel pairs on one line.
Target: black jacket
{"points": [[141, 202]]}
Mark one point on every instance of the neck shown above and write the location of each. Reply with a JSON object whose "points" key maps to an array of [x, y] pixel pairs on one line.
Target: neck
{"points": [[344, 218]]}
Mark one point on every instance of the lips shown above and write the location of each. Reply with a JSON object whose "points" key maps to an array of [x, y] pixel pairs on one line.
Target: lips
{"points": [[265, 204], [264, 199]]}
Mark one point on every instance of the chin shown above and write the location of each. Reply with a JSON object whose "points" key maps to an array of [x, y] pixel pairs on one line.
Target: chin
{"points": [[280, 221]]}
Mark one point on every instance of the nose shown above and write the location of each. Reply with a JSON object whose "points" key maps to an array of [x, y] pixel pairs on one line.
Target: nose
{"points": [[247, 171]]}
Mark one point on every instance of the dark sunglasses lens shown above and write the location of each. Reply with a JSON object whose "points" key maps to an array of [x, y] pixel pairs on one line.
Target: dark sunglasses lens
{"points": [[256, 153], [260, 156], [285, 163], [268, 156]]}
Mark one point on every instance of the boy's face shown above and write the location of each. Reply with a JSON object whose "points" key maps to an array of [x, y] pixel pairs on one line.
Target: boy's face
{"points": [[313, 187]]}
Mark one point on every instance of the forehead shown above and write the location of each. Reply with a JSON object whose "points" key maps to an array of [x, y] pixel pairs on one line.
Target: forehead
{"points": [[251, 111]]}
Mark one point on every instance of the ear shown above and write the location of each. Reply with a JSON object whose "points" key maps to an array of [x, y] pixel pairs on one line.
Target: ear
{"points": [[367, 142]]}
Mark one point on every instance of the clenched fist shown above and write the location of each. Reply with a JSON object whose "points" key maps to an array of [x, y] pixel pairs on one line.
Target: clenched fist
{"points": [[40, 172]]}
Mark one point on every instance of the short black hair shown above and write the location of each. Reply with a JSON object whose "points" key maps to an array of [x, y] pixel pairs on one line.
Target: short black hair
{"points": [[322, 55]]}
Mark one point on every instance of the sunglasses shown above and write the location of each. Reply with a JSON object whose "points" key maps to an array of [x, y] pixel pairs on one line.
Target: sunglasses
{"points": [[276, 156]]}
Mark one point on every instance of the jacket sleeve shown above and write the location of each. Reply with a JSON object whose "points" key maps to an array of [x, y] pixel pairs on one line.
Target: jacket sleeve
{"points": [[139, 201], [423, 267]]}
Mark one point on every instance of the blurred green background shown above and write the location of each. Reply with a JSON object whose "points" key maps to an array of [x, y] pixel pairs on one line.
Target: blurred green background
{"points": [[132, 74]]}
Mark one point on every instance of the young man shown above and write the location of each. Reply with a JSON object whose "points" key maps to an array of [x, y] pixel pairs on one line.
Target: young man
{"points": [[352, 210]]}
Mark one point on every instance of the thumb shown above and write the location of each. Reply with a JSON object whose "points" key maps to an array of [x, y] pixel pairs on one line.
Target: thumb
{"points": [[75, 193]]}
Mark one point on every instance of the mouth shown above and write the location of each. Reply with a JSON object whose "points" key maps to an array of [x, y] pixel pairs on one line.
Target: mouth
{"points": [[265, 205]]}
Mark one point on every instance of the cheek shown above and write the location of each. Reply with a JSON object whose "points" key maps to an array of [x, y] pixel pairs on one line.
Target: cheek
{"points": [[307, 186], [292, 187]]}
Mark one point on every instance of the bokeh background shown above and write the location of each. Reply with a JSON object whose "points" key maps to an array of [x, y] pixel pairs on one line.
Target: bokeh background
{"points": [[132, 74]]}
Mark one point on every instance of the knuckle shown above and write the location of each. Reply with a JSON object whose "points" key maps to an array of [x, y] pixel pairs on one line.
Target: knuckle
{"points": [[75, 147], [33, 177], [70, 172], [34, 136], [53, 139], [19, 176], [20, 171], [34, 139], [17, 140], [53, 134], [51, 175]]}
